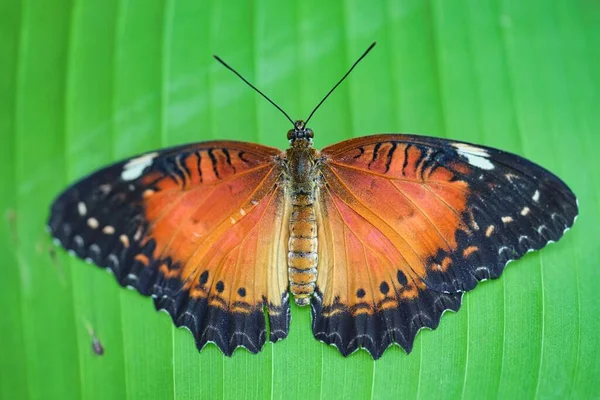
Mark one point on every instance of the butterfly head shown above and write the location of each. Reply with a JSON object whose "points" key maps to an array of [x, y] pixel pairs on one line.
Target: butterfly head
{"points": [[300, 131]]}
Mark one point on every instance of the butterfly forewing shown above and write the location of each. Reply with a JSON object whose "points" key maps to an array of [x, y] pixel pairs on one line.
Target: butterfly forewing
{"points": [[202, 228], [407, 223]]}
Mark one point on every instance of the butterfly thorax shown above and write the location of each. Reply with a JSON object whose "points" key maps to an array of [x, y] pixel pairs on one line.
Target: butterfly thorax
{"points": [[302, 246]]}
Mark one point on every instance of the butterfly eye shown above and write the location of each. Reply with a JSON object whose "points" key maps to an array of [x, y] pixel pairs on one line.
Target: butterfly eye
{"points": [[309, 133], [290, 134]]}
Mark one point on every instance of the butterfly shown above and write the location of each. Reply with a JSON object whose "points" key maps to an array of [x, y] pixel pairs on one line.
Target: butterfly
{"points": [[379, 235]]}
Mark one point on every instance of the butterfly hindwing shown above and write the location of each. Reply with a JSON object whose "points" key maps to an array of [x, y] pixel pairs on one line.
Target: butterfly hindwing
{"points": [[366, 296], [201, 228], [408, 223]]}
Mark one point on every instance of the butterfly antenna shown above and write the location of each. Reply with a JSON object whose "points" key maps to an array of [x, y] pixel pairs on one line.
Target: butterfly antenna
{"points": [[253, 87], [341, 80]]}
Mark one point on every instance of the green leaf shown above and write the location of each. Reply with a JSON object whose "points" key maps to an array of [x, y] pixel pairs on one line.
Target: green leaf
{"points": [[84, 83]]}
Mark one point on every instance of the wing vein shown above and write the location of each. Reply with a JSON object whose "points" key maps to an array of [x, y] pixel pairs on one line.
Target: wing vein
{"points": [[341, 182], [424, 214], [211, 232], [366, 246]]}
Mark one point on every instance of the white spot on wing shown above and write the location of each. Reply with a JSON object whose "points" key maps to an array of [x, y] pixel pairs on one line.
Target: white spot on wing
{"points": [[95, 248], [114, 259], [79, 240], [536, 196], [523, 238], [81, 208], [503, 248], [510, 177], [507, 219], [105, 189], [93, 223], [525, 211], [132, 277], [134, 168], [125, 240], [476, 156]]}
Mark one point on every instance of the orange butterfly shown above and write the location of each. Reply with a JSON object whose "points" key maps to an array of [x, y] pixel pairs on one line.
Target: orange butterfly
{"points": [[379, 234]]}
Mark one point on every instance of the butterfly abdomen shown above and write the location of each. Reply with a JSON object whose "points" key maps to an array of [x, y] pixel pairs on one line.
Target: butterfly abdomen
{"points": [[302, 248]]}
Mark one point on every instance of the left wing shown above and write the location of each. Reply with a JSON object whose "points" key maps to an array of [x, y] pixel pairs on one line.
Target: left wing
{"points": [[202, 228], [407, 223]]}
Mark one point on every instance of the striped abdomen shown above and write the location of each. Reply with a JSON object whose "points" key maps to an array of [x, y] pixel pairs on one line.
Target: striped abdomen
{"points": [[302, 248]]}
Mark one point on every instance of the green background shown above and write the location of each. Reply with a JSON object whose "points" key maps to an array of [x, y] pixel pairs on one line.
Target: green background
{"points": [[84, 83]]}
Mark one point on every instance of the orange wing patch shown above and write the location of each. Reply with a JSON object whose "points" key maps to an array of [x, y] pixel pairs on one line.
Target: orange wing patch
{"points": [[416, 204]]}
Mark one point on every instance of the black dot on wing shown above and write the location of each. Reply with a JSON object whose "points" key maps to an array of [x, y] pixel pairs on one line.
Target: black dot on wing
{"points": [[220, 286], [204, 277], [401, 278], [360, 293], [242, 292], [384, 287]]}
